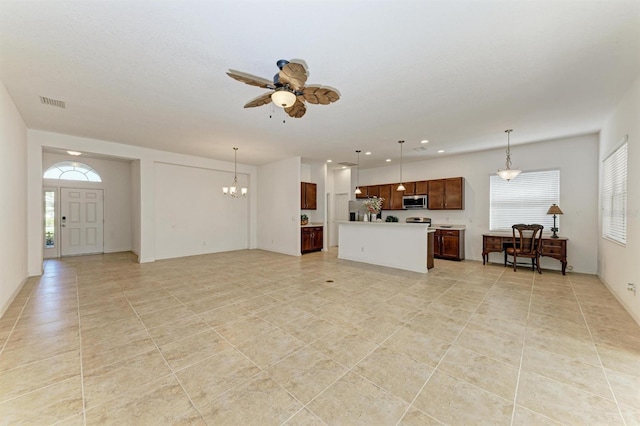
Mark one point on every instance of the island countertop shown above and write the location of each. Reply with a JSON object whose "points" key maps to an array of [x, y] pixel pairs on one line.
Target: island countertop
{"points": [[407, 246], [391, 224]]}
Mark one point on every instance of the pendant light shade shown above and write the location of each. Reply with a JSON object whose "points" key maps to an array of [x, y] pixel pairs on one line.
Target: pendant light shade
{"points": [[358, 191], [508, 173], [283, 98], [232, 191], [401, 186]]}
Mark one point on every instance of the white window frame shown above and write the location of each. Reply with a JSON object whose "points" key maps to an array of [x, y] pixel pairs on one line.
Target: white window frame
{"points": [[524, 199], [614, 194], [72, 170]]}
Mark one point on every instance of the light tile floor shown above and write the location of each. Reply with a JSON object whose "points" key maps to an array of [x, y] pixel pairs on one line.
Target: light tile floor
{"points": [[253, 337]]}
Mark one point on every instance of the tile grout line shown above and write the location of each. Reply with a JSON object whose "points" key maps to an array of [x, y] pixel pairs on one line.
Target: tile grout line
{"points": [[13, 328], [593, 342], [84, 401], [173, 373], [524, 342], [411, 404]]}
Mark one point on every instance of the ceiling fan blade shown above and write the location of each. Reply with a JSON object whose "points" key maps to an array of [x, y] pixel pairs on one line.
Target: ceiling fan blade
{"points": [[251, 80], [293, 74], [319, 95], [259, 101], [297, 110]]}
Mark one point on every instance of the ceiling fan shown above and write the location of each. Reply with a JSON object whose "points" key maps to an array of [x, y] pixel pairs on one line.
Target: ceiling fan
{"points": [[288, 89]]}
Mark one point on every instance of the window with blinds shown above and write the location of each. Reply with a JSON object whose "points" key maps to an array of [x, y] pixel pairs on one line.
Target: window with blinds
{"points": [[614, 195], [524, 199]]}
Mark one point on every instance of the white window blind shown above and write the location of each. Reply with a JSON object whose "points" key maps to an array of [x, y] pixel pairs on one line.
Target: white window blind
{"points": [[614, 195], [524, 199]]}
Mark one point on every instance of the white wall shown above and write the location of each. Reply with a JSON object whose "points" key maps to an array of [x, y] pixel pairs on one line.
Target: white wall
{"points": [[194, 216], [279, 206], [13, 192], [135, 206], [146, 159], [116, 184], [619, 265], [576, 158]]}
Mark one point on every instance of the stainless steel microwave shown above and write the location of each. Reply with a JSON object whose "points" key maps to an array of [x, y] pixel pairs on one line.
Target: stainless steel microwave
{"points": [[414, 202]]}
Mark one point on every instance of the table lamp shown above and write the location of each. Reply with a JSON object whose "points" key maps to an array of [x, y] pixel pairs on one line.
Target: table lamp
{"points": [[554, 210]]}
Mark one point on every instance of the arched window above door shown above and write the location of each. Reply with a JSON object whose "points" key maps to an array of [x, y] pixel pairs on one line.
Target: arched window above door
{"points": [[72, 170]]}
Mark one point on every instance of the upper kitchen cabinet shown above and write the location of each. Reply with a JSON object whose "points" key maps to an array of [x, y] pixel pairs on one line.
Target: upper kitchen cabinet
{"points": [[446, 194], [422, 187], [363, 192], [409, 188], [308, 196], [373, 191], [384, 191]]}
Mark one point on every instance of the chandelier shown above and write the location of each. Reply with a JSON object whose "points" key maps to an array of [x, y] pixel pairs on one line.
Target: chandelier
{"points": [[508, 173], [232, 191]]}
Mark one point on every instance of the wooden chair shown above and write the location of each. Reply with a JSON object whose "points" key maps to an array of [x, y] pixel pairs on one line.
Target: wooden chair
{"points": [[527, 240]]}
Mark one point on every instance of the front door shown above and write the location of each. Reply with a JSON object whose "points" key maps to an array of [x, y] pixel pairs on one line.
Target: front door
{"points": [[81, 221]]}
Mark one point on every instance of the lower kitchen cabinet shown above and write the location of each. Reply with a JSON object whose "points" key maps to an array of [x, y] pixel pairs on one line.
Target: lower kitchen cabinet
{"points": [[449, 244], [312, 238]]}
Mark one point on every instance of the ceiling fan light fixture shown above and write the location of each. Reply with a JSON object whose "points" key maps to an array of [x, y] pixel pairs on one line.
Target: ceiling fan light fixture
{"points": [[283, 98]]}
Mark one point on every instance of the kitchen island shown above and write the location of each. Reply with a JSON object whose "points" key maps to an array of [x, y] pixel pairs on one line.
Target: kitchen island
{"points": [[407, 246]]}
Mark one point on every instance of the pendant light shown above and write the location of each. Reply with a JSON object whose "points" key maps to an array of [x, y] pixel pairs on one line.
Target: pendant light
{"points": [[401, 186], [508, 173], [357, 191], [232, 191]]}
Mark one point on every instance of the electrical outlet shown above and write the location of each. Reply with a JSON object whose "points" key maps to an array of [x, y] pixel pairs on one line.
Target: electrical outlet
{"points": [[631, 287]]}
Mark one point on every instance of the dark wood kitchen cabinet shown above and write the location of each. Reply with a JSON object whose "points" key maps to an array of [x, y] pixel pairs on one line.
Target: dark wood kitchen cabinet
{"points": [[392, 197], [311, 238], [449, 244], [446, 194], [409, 188], [308, 196], [384, 191], [422, 187]]}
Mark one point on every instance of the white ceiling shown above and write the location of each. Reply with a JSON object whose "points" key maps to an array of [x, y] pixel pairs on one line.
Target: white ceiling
{"points": [[457, 73]]}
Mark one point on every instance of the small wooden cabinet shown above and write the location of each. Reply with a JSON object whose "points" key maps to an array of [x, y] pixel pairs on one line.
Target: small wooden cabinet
{"points": [[311, 238], [449, 244], [308, 196], [446, 194]]}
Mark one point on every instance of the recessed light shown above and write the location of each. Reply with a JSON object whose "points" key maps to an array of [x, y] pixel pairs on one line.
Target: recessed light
{"points": [[424, 141], [344, 167], [74, 153], [329, 161], [440, 151], [388, 160], [367, 153]]}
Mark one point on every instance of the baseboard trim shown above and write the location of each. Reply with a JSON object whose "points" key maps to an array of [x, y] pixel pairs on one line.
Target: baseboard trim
{"points": [[627, 308], [5, 307]]}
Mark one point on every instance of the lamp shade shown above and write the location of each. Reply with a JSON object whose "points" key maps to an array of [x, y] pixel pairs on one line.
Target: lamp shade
{"points": [[554, 209], [508, 174], [283, 98]]}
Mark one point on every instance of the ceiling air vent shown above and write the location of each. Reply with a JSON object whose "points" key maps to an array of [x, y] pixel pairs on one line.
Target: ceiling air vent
{"points": [[347, 164], [52, 102], [420, 148]]}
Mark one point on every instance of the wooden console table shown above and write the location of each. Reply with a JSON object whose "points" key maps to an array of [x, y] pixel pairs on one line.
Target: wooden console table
{"points": [[551, 247]]}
